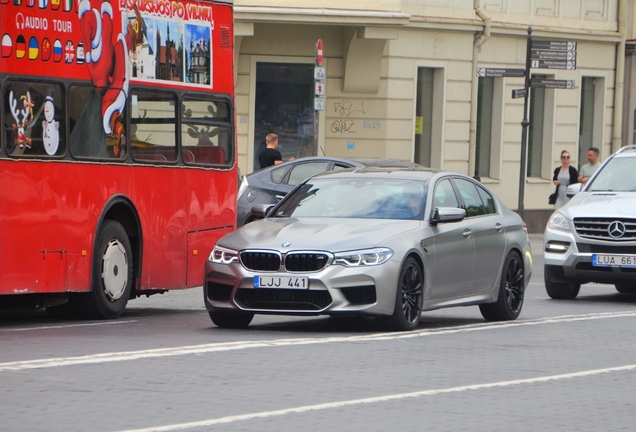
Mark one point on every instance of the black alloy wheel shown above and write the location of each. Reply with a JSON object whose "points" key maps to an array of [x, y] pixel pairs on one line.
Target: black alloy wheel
{"points": [[511, 292], [409, 296]]}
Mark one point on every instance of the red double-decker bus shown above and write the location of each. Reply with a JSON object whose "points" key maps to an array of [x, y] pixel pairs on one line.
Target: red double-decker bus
{"points": [[118, 167]]}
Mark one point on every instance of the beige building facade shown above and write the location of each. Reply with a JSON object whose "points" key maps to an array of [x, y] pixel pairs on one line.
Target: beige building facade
{"points": [[401, 82]]}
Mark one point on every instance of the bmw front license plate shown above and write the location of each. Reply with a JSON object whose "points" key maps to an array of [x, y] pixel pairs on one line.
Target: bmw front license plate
{"points": [[289, 282], [604, 260]]}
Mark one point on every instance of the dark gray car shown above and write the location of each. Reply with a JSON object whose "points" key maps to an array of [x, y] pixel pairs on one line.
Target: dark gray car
{"points": [[269, 185]]}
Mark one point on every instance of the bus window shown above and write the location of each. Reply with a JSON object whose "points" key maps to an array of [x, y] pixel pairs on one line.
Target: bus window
{"points": [[206, 136], [152, 126], [88, 138], [34, 119]]}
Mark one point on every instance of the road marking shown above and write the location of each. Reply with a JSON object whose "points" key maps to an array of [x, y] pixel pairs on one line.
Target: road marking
{"points": [[240, 345], [379, 399], [68, 326]]}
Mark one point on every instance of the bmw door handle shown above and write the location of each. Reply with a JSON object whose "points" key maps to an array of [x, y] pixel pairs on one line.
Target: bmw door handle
{"points": [[467, 233], [279, 197], [499, 227]]}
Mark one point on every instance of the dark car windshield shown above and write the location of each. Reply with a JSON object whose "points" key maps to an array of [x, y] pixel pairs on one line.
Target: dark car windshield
{"points": [[356, 198], [619, 175]]}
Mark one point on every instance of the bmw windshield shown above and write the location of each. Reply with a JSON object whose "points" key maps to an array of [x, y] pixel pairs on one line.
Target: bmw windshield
{"points": [[356, 198]]}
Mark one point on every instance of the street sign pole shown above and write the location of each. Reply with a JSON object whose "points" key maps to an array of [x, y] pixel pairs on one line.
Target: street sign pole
{"points": [[524, 129]]}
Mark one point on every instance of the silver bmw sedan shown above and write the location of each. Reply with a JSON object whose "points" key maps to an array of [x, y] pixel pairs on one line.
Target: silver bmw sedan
{"points": [[382, 242]]}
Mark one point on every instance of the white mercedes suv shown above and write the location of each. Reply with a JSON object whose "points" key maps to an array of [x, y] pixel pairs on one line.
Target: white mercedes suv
{"points": [[593, 237]]}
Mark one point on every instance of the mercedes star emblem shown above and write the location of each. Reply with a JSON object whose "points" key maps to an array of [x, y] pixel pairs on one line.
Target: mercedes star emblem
{"points": [[616, 229]]}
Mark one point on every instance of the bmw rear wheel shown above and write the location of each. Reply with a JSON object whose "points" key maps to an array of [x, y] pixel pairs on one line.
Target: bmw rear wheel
{"points": [[511, 292], [409, 296]]}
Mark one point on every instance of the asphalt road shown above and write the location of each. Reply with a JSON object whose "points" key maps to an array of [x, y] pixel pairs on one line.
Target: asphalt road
{"points": [[567, 365]]}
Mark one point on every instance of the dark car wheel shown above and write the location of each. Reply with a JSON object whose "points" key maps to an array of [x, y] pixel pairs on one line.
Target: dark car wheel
{"points": [[112, 275], [625, 288], [231, 319], [559, 290], [511, 291], [409, 296]]}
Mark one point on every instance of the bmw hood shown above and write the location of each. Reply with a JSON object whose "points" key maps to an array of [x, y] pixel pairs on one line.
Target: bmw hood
{"points": [[329, 234], [601, 204]]}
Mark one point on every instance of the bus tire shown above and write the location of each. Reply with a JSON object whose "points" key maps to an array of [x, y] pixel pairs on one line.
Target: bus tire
{"points": [[112, 274]]}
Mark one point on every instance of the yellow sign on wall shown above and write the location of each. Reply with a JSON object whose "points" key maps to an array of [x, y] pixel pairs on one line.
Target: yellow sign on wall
{"points": [[418, 125]]}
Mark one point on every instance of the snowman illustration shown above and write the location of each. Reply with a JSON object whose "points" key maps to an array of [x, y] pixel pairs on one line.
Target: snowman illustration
{"points": [[50, 127]]}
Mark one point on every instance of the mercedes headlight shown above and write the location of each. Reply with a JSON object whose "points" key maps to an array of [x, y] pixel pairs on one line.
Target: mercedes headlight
{"points": [[367, 257], [558, 221], [221, 255]]}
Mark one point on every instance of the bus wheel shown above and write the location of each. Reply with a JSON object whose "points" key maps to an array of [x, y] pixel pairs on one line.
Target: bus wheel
{"points": [[112, 274]]}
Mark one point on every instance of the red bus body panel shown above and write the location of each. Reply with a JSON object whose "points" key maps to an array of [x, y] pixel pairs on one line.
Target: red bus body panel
{"points": [[50, 208]]}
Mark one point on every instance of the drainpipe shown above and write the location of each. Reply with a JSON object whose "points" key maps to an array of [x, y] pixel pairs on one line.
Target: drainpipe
{"points": [[474, 85], [620, 77]]}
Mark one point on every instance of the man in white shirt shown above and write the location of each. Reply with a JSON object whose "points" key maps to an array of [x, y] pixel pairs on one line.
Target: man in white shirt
{"points": [[590, 168]]}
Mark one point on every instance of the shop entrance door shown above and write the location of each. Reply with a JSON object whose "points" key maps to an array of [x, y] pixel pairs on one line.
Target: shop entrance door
{"points": [[284, 105]]}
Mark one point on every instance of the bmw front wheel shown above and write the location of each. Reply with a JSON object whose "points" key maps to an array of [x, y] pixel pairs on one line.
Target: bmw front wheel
{"points": [[409, 296]]}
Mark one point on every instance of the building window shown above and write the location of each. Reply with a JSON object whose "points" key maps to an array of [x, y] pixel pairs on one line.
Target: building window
{"points": [[535, 132], [428, 117], [484, 126], [541, 131], [424, 116], [586, 124]]}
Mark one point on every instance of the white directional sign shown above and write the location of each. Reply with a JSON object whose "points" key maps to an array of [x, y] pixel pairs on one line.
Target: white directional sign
{"points": [[555, 84], [554, 45], [320, 88], [500, 72], [319, 73], [553, 55], [519, 93], [553, 64], [319, 104]]}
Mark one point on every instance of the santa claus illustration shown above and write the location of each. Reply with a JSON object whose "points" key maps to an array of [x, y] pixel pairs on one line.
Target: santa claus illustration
{"points": [[106, 56]]}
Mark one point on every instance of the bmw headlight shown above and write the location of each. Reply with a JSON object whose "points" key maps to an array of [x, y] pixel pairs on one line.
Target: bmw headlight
{"points": [[367, 257], [221, 255], [558, 221]]}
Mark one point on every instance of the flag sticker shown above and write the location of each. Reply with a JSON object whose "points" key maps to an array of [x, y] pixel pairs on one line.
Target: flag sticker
{"points": [[30, 3], [43, 3], [80, 53], [20, 47], [34, 48], [46, 50], [69, 52], [7, 45], [57, 50], [68, 5], [55, 4]]}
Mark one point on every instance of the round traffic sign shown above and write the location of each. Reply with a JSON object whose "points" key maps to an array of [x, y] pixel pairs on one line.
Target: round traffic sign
{"points": [[319, 53]]}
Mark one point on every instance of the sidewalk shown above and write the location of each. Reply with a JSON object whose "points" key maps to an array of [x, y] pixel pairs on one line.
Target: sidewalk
{"points": [[536, 243]]}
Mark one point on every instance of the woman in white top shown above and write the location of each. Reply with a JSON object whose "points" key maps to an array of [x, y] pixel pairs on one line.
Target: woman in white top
{"points": [[564, 176]]}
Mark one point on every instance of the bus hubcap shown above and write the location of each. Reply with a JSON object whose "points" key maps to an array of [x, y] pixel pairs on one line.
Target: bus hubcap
{"points": [[115, 270]]}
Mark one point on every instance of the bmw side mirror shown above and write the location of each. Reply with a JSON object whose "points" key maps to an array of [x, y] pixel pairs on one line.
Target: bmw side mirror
{"points": [[573, 189], [448, 214], [260, 211]]}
